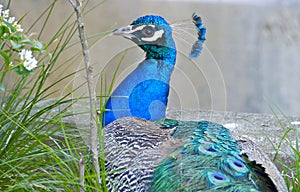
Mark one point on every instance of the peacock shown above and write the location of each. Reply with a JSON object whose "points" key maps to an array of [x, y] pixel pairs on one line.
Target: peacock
{"points": [[145, 151]]}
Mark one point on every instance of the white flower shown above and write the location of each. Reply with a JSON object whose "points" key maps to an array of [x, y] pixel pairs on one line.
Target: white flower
{"points": [[14, 23], [11, 19], [25, 54], [18, 27], [29, 62], [5, 13]]}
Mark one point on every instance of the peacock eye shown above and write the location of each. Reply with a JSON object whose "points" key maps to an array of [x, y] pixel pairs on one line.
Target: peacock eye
{"points": [[148, 31]]}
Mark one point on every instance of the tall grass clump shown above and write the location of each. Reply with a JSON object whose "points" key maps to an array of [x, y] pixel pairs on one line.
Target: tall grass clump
{"points": [[285, 146], [38, 152], [290, 138]]}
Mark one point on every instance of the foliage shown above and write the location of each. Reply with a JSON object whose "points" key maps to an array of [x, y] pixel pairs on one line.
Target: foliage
{"points": [[16, 48], [290, 137], [38, 152]]}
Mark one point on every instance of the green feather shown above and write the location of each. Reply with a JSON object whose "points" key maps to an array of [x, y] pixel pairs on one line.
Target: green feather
{"points": [[209, 160]]}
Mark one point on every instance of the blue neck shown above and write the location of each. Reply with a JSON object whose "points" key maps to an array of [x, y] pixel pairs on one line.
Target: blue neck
{"points": [[144, 92]]}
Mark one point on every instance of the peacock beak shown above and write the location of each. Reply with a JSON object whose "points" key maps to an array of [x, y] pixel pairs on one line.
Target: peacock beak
{"points": [[125, 31]]}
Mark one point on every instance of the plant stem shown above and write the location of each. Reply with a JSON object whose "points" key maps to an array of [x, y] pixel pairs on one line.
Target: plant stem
{"points": [[90, 81], [81, 172]]}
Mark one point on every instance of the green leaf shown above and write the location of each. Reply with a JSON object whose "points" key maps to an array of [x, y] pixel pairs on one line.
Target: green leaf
{"points": [[34, 49], [8, 24], [2, 88], [16, 45], [37, 46], [21, 70], [5, 57], [3, 30], [11, 37], [26, 40]]}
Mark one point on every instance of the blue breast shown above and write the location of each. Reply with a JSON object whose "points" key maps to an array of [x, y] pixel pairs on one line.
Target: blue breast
{"points": [[144, 93]]}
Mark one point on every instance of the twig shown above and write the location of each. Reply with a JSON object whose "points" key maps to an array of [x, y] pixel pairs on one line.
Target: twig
{"points": [[90, 81], [81, 172]]}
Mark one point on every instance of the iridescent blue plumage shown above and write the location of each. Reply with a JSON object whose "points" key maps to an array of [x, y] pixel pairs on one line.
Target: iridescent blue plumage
{"points": [[196, 156], [209, 160], [198, 45], [173, 155], [150, 19], [144, 93]]}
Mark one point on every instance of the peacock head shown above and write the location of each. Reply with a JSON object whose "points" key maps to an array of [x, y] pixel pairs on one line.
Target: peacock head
{"points": [[153, 34]]}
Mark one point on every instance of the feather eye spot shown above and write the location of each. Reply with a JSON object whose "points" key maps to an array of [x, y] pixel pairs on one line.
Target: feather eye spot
{"points": [[238, 164], [211, 150], [219, 177], [237, 167], [206, 149]]}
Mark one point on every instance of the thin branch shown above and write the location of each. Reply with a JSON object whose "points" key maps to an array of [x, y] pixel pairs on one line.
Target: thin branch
{"points": [[90, 81], [81, 172]]}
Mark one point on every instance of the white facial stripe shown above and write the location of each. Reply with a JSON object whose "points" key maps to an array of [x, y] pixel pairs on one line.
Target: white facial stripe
{"points": [[157, 35], [128, 35], [140, 28]]}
